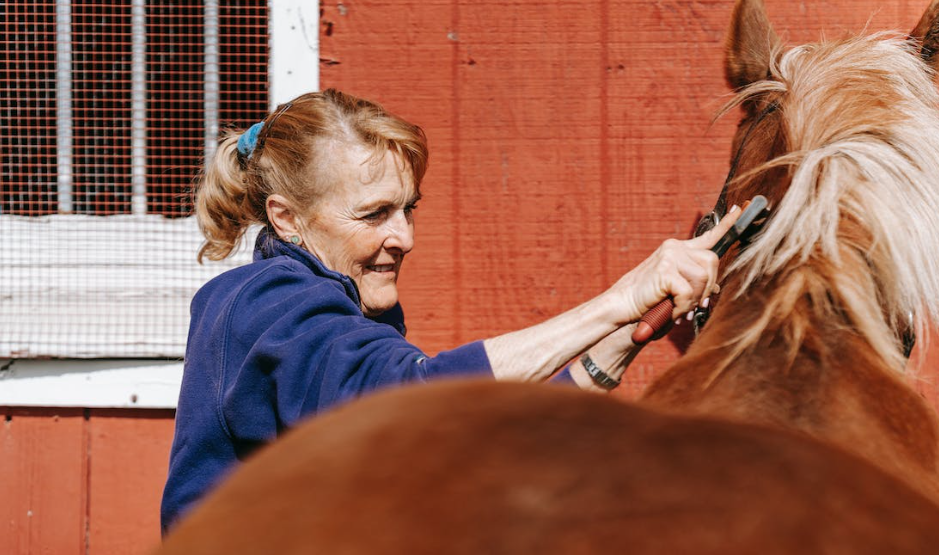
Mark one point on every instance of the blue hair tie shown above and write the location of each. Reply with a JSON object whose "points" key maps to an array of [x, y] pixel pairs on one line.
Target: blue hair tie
{"points": [[248, 140]]}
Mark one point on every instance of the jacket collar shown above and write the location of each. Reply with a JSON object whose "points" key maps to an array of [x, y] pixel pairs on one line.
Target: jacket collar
{"points": [[268, 245]]}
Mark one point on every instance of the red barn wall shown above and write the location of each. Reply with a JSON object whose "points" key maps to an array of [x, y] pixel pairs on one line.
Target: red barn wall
{"points": [[81, 481], [568, 139]]}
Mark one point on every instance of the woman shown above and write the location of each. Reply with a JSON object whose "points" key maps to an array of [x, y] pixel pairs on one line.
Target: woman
{"points": [[315, 319]]}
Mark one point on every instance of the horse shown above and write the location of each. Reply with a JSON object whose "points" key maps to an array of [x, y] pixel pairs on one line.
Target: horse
{"points": [[843, 139], [788, 426]]}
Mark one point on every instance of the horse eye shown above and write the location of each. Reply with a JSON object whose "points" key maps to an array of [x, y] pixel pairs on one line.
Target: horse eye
{"points": [[909, 335]]}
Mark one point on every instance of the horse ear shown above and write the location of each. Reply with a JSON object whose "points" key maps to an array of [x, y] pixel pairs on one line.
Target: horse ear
{"points": [[927, 33], [750, 44]]}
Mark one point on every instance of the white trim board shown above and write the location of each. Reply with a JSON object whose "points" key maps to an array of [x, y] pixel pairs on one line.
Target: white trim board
{"points": [[146, 384], [87, 287], [295, 51]]}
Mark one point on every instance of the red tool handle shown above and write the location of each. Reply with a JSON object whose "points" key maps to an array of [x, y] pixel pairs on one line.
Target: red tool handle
{"points": [[651, 322]]}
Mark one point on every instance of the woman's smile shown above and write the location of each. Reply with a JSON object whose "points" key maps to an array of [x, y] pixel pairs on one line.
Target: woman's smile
{"points": [[383, 268]]}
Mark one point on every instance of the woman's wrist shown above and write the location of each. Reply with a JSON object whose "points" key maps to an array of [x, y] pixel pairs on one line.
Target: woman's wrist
{"points": [[599, 377], [593, 376], [537, 352], [612, 307], [622, 303], [610, 357]]}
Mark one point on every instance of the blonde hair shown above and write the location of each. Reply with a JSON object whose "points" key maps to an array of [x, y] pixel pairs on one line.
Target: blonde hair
{"points": [[858, 226], [295, 152]]}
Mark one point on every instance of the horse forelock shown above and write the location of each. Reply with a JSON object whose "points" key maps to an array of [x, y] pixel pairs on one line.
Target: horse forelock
{"points": [[860, 210]]}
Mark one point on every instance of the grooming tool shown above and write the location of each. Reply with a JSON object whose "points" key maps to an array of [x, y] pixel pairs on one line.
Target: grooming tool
{"points": [[659, 316]]}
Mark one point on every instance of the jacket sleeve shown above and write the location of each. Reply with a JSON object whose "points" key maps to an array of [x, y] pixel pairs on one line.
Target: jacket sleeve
{"points": [[308, 347]]}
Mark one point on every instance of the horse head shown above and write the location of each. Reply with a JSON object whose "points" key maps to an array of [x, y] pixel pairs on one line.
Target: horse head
{"points": [[842, 137]]}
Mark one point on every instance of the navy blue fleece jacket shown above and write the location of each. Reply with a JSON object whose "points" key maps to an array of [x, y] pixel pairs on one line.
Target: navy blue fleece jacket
{"points": [[274, 341]]}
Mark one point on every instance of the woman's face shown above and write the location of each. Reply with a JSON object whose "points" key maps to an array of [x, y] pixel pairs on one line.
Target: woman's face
{"points": [[363, 226]]}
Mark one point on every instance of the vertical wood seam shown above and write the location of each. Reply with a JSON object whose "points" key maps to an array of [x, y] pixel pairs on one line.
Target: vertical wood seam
{"points": [[605, 170], [86, 480], [455, 176]]}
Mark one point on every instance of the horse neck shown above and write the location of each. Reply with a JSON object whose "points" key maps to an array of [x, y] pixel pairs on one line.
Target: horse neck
{"points": [[825, 381]]}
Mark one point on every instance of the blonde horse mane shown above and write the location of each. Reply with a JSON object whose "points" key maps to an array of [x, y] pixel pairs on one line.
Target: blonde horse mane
{"points": [[858, 228]]}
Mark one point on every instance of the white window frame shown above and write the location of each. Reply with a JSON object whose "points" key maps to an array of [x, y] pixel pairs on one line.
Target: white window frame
{"points": [[148, 383]]}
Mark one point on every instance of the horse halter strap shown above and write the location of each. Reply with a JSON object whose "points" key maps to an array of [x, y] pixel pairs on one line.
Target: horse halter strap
{"points": [[712, 218]]}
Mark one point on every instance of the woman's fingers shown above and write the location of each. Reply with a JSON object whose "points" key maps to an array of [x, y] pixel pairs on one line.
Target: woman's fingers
{"points": [[699, 267], [683, 295], [708, 240], [709, 264], [686, 271], [677, 271], [712, 236]]}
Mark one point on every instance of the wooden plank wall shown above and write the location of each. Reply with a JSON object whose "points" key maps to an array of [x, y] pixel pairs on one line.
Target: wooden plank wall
{"points": [[568, 139], [80, 481]]}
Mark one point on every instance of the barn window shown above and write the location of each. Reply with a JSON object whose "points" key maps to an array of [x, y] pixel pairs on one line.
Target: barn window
{"points": [[107, 112]]}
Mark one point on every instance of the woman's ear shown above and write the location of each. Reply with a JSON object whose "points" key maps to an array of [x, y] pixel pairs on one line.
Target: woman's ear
{"points": [[282, 218]]}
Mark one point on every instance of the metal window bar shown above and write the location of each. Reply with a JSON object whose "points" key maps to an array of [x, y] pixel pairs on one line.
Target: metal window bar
{"points": [[138, 107], [212, 82], [63, 96]]}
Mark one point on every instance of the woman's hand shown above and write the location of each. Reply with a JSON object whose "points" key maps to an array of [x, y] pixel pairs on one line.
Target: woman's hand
{"points": [[683, 270], [686, 271]]}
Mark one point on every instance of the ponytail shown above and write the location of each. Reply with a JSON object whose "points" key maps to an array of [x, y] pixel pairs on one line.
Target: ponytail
{"points": [[224, 208]]}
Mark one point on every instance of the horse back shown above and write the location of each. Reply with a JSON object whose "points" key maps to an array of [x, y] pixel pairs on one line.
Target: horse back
{"points": [[481, 467]]}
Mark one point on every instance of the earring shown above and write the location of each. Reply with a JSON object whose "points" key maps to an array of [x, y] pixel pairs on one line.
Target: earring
{"points": [[295, 239]]}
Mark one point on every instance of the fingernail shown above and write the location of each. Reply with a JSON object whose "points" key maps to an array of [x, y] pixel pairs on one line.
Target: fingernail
{"points": [[678, 322], [734, 208], [690, 316], [706, 302]]}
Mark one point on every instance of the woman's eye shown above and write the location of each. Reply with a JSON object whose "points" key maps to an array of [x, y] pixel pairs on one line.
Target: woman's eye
{"points": [[376, 215]]}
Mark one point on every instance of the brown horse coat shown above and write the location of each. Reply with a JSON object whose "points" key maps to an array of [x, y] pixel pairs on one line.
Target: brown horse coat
{"points": [[468, 468]]}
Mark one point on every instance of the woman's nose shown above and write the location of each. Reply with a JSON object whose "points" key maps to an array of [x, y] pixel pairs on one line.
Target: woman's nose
{"points": [[400, 232]]}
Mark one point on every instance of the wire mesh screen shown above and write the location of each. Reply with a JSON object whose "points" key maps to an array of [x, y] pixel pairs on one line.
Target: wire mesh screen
{"points": [[174, 118], [27, 117], [107, 110], [101, 43]]}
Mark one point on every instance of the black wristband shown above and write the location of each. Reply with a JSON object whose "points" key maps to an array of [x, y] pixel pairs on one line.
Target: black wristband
{"points": [[599, 376]]}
